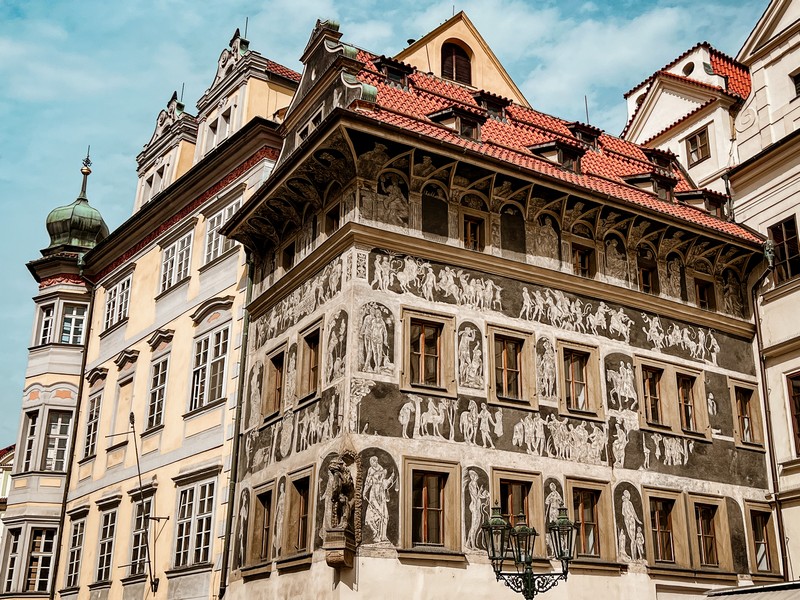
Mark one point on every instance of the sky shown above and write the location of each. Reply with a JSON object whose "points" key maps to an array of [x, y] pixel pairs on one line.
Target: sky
{"points": [[97, 73]]}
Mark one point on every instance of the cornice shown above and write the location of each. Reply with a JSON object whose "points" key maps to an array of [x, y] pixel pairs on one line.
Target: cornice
{"points": [[364, 236]]}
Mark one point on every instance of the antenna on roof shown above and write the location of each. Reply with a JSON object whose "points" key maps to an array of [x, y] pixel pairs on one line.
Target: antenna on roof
{"points": [[246, 19], [454, 10], [586, 106], [182, 86]]}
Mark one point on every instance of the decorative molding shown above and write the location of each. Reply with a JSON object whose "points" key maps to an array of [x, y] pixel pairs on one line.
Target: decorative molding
{"points": [[96, 374], [197, 474], [72, 279], [223, 303], [160, 336], [107, 502], [78, 512], [125, 357]]}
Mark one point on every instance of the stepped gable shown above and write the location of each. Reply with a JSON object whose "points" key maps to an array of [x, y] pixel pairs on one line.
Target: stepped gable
{"points": [[602, 167]]}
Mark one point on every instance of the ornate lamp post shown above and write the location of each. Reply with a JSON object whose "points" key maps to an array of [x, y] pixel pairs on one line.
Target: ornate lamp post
{"points": [[504, 543]]}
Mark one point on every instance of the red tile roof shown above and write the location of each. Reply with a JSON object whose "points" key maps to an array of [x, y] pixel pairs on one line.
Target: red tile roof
{"points": [[602, 168], [6, 450], [279, 69]]}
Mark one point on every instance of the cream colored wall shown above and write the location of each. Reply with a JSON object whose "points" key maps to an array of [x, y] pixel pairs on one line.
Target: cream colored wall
{"points": [[663, 109], [264, 98]]}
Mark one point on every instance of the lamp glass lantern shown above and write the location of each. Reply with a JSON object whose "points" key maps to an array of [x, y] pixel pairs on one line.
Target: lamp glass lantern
{"points": [[496, 533], [562, 536]]}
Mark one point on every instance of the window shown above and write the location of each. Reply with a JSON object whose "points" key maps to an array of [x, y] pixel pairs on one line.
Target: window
{"points": [[583, 261], [431, 503], [468, 128], [710, 536], [75, 553], [12, 558], [262, 526], [429, 352], [288, 256], [686, 404], [648, 271], [46, 320], [763, 555], [105, 552], [787, 250], [796, 84], [40, 559], [332, 219], [158, 392], [310, 362], [592, 514], [310, 126], [425, 353], [72, 323], [516, 493], [661, 527], [273, 397], [175, 261], [473, 233], [208, 374], [154, 184], [747, 428], [651, 383], [216, 243], [92, 421], [579, 378], [30, 441], [704, 294], [706, 534], [193, 524], [512, 366], [456, 64], [297, 536], [697, 148], [139, 547], [793, 382], [584, 506], [666, 544], [56, 441], [117, 299]]}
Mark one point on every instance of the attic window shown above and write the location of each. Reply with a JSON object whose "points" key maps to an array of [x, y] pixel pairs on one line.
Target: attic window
{"points": [[464, 122], [569, 160], [662, 189], [688, 68], [395, 76], [468, 128], [494, 105], [456, 64], [395, 71], [584, 132], [310, 126], [659, 158], [566, 156]]}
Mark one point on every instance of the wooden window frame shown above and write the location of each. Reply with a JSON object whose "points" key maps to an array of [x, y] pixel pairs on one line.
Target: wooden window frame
{"points": [[77, 538], [526, 369], [697, 141], [592, 375], [587, 249], [794, 407], [216, 244], [94, 406], [786, 248], [451, 504], [705, 287], [680, 550], [722, 537], [751, 509], [479, 218], [105, 549], [447, 380], [333, 224], [195, 554], [298, 524], [210, 354], [756, 430], [260, 549], [307, 368], [534, 499], [274, 391], [607, 545]]}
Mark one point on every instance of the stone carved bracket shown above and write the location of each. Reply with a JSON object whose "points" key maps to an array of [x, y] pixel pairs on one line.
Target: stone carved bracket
{"points": [[343, 500]]}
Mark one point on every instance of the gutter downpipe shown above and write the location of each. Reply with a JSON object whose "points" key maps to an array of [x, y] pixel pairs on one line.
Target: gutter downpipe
{"points": [[74, 436], [223, 581], [768, 413]]}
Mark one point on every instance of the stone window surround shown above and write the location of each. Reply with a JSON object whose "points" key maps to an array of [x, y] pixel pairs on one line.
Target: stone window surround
{"points": [[270, 405], [681, 554], [535, 499], [305, 392], [756, 428], [528, 396], [721, 532], [447, 379], [452, 504], [772, 542], [593, 381], [605, 515], [290, 555]]}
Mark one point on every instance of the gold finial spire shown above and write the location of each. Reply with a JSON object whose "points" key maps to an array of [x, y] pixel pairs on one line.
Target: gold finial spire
{"points": [[85, 170]]}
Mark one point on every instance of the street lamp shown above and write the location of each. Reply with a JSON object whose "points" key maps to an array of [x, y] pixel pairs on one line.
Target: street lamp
{"points": [[504, 542]]}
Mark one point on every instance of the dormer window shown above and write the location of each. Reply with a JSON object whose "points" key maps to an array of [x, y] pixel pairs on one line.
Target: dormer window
{"points": [[395, 71], [659, 158], [464, 122], [566, 156], [657, 183], [712, 202], [584, 132], [494, 105], [456, 64]]}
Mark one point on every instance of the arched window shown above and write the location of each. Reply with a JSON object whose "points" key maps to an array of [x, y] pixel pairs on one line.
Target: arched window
{"points": [[434, 210], [456, 64]]}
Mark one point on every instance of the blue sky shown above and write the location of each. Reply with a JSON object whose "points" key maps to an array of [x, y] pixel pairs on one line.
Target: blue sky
{"points": [[97, 72]]}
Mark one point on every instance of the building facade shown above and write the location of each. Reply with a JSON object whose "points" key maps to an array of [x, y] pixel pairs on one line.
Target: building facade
{"points": [[459, 301]]}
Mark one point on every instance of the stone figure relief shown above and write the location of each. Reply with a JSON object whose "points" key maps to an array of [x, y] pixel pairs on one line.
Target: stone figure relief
{"points": [[291, 378], [546, 370], [619, 444], [376, 348], [419, 278], [336, 348], [701, 344], [286, 432], [241, 528], [425, 167], [311, 429], [254, 396], [675, 451], [470, 357], [433, 417], [478, 496], [371, 162], [277, 538], [552, 502], [393, 203], [633, 526], [616, 260], [712, 404], [654, 332], [673, 283], [547, 241], [623, 386], [378, 484], [620, 324], [361, 265], [339, 497], [732, 295], [359, 388]]}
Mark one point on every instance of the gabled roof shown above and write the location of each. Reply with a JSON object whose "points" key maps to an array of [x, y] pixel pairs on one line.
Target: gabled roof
{"points": [[774, 21], [603, 168], [279, 69], [461, 19]]}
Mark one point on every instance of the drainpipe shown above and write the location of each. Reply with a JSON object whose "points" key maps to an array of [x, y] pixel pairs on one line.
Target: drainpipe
{"points": [[74, 436], [226, 550], [769, 254]]}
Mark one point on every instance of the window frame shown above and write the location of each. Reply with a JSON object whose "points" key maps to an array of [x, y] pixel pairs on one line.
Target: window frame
{"points": [[794, 406], [77, 537], [756, 429], [11, 557], [64, 438], [526, 378], [535, 501], [480, 219], [217, 245], [451, 503], [273, 394], [786, 249], [699, 141], [680, 550], [594, 407], [771, 542], [192, 521], [42, 555], [45, 328], [705, 294], [199, 398], [722, 536], [176, 262], [607, 546], [446, 384], [117, 302], [77, 321], [582, 247], [298, 525], [92, 424], [105, 545], [157, 394], [140, 535], [30, 453], [262, 531], [309, 360]]}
